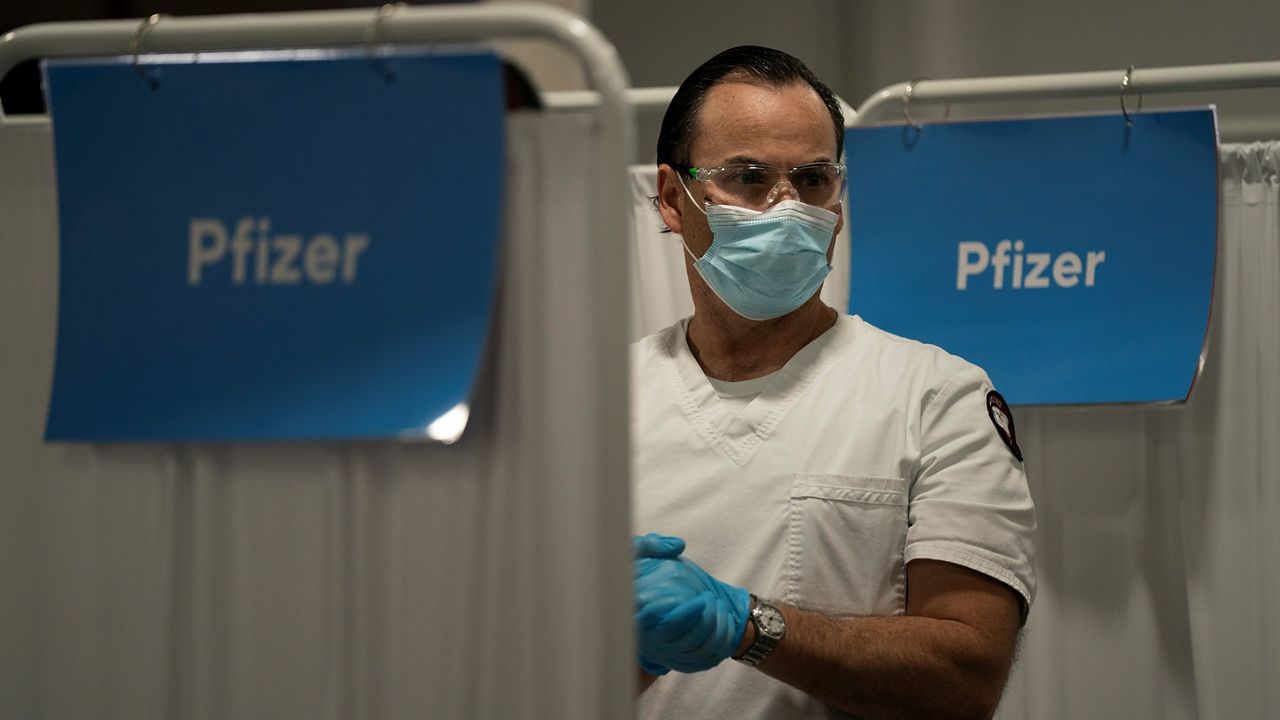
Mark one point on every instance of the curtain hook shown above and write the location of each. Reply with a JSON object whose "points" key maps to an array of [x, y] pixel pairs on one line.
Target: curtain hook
{"points": [[906, 104], [1125, 84], [371, 37], [135, 46]]}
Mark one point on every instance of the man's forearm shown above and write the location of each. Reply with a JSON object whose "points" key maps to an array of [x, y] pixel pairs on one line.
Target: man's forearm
{"points": [[948, 656], [892, 667]]}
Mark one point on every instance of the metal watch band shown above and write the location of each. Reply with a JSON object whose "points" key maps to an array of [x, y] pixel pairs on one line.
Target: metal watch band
{"points": [[765, 642]]}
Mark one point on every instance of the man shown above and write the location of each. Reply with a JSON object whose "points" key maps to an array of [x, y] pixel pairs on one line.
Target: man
{"points": [[853, 482]]}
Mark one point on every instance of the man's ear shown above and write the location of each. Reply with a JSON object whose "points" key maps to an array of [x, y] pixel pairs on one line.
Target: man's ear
{"points": [[670, 199], [831, 249]]}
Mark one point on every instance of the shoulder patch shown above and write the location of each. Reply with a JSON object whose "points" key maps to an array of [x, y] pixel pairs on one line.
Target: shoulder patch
{"points": [[1002, 418]]}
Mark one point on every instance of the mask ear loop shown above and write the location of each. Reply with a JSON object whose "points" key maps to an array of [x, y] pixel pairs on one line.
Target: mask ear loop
{"points": [[688, 192], [693, 200]]}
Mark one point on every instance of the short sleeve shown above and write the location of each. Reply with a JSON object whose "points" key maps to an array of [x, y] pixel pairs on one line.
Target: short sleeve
{"points": [[969, 500]]}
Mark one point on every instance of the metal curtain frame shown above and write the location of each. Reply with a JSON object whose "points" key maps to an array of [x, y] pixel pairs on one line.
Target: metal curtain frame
{"points": [[263, 31], [614, 123], [654, 98], [1104, 83]]}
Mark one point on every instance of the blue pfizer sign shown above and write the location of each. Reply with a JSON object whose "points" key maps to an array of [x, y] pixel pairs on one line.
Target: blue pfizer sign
{"points": [[274, 246], [1073, 258]]}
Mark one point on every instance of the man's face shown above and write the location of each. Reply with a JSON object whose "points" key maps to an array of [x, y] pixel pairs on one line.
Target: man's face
{"points": [[741, 122]]}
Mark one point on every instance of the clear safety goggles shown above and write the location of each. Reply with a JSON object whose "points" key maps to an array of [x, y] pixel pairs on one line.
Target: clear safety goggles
{"points": [[760, 186]]}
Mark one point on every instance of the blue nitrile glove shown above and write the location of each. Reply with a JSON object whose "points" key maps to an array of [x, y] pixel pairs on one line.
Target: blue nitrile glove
{"points": [[696, 635], [653, 545], [647, 550], [686, 619]]}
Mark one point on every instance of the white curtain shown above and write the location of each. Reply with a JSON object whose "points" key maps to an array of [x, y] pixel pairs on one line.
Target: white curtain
{"points": [[488, 579], [1160, 528]]}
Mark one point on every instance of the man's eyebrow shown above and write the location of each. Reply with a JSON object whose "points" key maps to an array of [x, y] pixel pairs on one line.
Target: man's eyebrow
{"points": [[744, 160], [748, 160]]}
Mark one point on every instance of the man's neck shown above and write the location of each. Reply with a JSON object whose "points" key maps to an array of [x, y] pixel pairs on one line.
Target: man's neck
{"points": [[730, 347]]}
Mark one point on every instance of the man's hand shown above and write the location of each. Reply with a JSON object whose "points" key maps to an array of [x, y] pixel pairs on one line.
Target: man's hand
{"points": [[645, 548], [686, 619], [654, 545]]}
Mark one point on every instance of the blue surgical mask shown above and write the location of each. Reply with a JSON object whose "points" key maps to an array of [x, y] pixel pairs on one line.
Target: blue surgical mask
{"points": [[765, 264]]}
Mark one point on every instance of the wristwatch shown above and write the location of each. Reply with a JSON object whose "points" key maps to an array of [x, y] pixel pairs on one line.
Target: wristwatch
{"points": [[770, 627]]}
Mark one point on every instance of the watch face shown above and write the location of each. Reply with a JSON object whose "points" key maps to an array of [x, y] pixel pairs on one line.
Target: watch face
{"points": [[771, 620]]}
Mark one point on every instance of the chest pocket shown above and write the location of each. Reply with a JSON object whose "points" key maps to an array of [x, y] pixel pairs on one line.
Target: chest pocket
{"points": [[845, 543]]}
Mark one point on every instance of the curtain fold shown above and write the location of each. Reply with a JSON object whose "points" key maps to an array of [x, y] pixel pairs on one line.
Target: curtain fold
{"points": [[1225, 453]]}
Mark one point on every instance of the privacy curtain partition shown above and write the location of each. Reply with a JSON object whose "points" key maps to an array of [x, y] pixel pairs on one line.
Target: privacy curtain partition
{"points": [[488, 579]]}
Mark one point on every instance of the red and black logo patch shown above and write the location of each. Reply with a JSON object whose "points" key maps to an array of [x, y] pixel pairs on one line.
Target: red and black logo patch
{"points": [[1002, 418]]}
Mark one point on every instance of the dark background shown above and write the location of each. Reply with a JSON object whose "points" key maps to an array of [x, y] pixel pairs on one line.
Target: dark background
{"points": [[20, 89]]}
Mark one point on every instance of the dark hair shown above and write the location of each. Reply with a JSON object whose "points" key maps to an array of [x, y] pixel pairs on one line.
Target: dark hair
{"points": [[747, 63]]}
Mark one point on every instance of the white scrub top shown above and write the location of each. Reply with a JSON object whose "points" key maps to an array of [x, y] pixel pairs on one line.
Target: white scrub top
{"points": [[864, 452]]}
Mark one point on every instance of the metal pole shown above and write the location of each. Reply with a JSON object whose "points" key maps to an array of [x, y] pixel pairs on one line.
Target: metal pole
{"points": [[880, 105]]}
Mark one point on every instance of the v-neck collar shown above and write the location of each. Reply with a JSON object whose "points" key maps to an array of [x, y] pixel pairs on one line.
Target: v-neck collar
{"points": [[753, 424]]}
